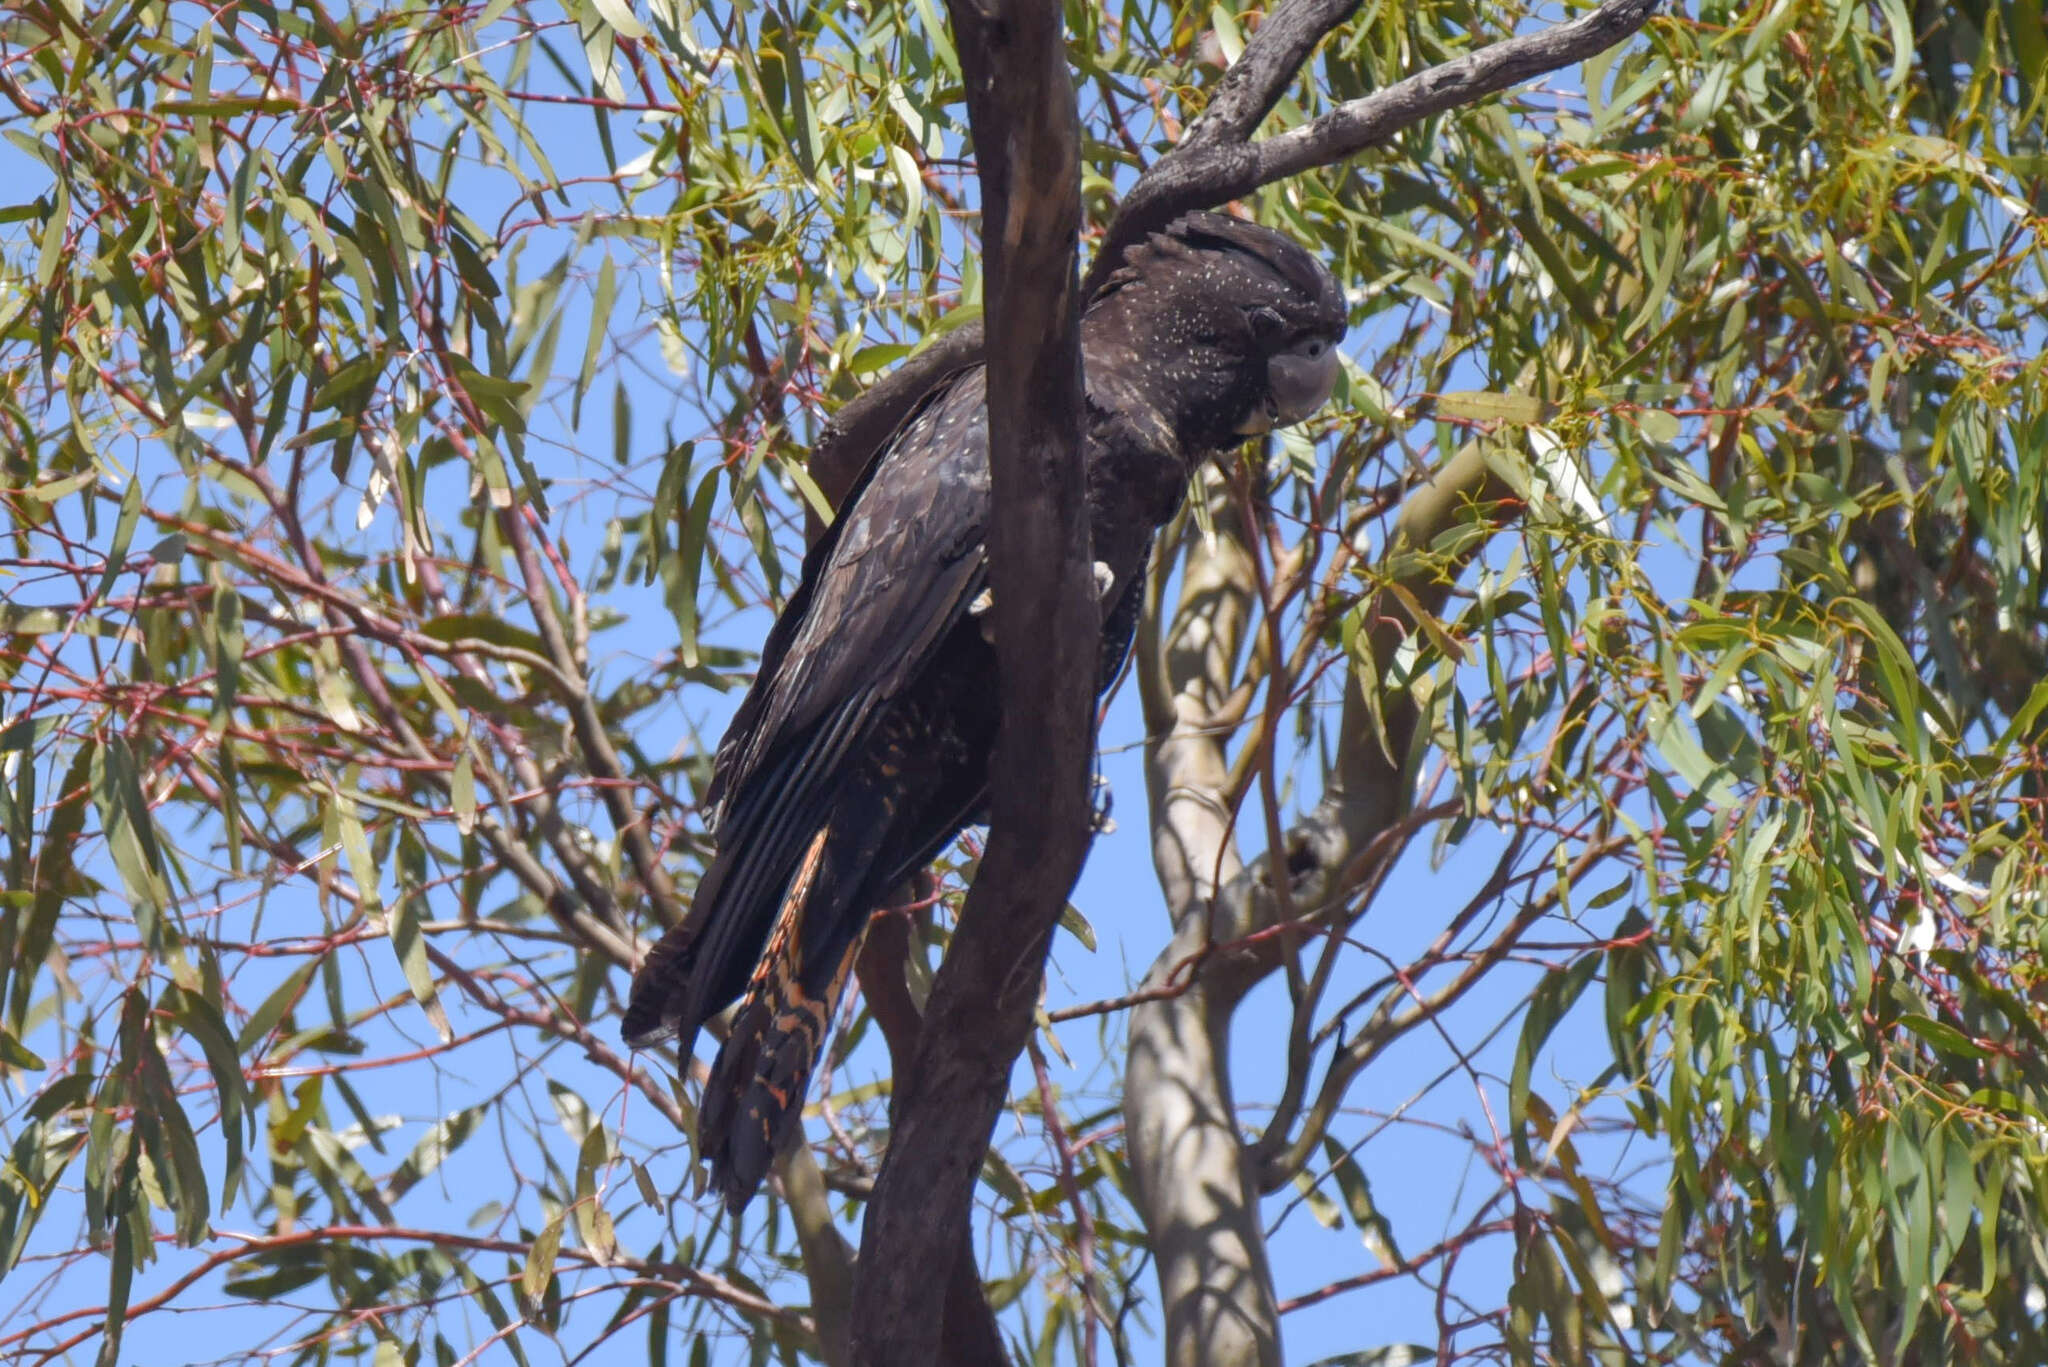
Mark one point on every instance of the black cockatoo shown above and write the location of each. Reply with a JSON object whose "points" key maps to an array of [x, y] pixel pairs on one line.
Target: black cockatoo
{"points": [[863, 746]]}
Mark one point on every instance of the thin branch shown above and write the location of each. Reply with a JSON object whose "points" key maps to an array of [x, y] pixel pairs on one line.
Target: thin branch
{"points": [[1070, 1189], [1216, 163], [1405, 1267], [692, 1280], [1386, 1027], [591, 738], [1220, 166]]}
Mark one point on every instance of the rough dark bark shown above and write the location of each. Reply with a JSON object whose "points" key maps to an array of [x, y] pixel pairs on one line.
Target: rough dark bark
{"points": [[1020, 100], [969, 1335], [1219, 163]]}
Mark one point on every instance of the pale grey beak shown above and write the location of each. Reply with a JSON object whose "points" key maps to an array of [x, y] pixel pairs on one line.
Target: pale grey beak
{"points": [[1300, 380]]}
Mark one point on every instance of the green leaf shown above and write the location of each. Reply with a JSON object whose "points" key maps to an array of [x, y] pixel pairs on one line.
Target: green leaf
{"points": [[124, 533], [462, 793], [163, 1133], [130, 833], [411, 950], [346, 381], [57, 488], [15, 1054], [457, 628], [619, 14], [333, 690], [228, 105], [649, 1193], [1373, 1226], [695, 545], [201, 1019], [1555, 995], [433, 1149], [1657, 426], [25, 734], [1318, 1201], [120, 1277], [1944, 1037], [282, 998], [593, 346], [1672, 733], [540, 1261], [1489, 406]]}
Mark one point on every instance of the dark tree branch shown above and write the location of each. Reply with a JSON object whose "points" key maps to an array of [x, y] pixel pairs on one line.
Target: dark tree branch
{"points": [[1273, 56], [1020, 101], [969, 1334], [1217, 162], [1211, 168]]}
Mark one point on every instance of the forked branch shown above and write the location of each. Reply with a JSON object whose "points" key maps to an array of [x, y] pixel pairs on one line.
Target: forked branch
{"points": [[1217, 161]]}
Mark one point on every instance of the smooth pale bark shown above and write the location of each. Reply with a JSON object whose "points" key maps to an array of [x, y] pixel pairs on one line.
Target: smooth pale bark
{"points": [[1196, 1185]]}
